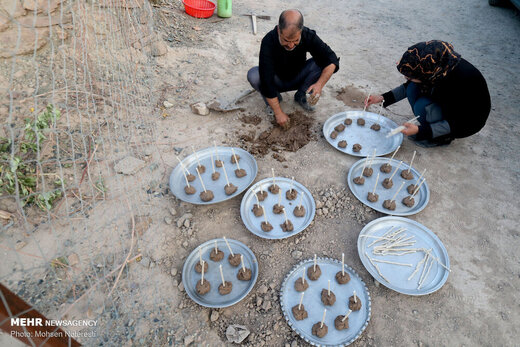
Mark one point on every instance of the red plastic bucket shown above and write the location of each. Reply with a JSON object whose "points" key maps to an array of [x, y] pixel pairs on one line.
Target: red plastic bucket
{"points": [[199, 8]]}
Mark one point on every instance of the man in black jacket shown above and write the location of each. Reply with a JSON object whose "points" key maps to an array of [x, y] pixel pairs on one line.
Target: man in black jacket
{"points": [[283, 64]]}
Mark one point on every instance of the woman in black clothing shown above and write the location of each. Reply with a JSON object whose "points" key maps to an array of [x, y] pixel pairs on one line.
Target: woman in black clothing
{"points": [[439, 85]]}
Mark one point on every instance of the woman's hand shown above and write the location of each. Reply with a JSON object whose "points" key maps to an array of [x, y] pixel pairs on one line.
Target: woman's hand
{"points": [[373, 99], [410, 129]]}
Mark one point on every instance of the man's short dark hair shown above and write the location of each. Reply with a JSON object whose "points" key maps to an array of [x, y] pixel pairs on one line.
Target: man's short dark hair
{"points": [[282, 22]]}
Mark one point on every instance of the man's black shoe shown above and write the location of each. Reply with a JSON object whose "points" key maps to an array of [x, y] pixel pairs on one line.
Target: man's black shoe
{"points": [[301, 100]]}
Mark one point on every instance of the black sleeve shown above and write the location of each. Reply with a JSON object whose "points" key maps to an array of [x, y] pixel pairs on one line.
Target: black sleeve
{"points": [[266, 69], [323, 55]]}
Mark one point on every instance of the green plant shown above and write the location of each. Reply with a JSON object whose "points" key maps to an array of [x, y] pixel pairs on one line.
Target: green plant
{"points": [[18, 166]]}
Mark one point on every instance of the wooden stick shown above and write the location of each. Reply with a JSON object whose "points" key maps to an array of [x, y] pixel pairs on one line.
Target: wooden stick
{"points": [[265, 217], [236, 159], [375, 185], [301, 299], [291, 185], [301, 199], [182, 165], [355, 297], [417, 267], [427, 273], [202, 278], [412, 120], [225, 173], [216, 150], [397, 192], [343, 264], [376, 267], [272, 170], [363, 169], [186, 178], [396, 170], [200, 256], [391, 262], [419, 178], [424, 268], [418, 187], [329, 288], [393, 155], [323, 319], [201, 182], [314, 262], [228, 246], [257, 201], [212, 163], [280, 197], [216, 248], [346, 316], [368, 97], [222, 276], [411, 163], [285, 214], [196, 156], [372, 160], [303, 276], [243, 265]]}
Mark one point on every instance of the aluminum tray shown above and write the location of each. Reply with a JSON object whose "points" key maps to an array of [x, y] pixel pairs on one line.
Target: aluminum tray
{"points": [[213, 298], [253, 223], [361, 191], [396, 274], [358, 320], [247, 162], [366, 137]]}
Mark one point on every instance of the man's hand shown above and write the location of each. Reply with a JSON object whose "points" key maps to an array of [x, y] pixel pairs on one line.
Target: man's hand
{"points": [[410, 129], [373, 99], [315, 89], [282, 119]]}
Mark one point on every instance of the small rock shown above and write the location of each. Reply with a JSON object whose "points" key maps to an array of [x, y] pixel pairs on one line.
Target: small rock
{"points": [[167, 104], [325, 211], [73, 259], [262, 289], [180, 287], [130, 322], [214, 316], [376, 282], [294, 343], [259, 301], [188, 340], [20, 244], [200, 108], [266, 305], [187, 223], [168, 220], [296, 254], [237, 333], [173, 212], [185, 244], [129, 166], [158, 48], [145, 262], [174, 271]]}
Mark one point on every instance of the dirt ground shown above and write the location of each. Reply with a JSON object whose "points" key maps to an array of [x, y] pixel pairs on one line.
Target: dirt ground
{"points": [[475, 217]]}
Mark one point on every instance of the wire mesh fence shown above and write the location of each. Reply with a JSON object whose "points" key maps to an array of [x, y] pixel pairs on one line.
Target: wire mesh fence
{"points": [[77, 102]]}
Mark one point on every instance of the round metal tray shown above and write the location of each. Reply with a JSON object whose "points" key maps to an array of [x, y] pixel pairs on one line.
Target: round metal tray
{"points": [[361, 191], [247, 162], [213, 298], [358, 320], [368, 139], [398, 275], [253, 223]]}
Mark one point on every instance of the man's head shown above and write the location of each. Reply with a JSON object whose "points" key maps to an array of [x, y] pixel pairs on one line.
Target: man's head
{"points": [[290, 27]]}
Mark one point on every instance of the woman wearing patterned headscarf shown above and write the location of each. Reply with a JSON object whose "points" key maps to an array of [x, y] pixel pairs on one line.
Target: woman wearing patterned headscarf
{"points": [[439, 85]]}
